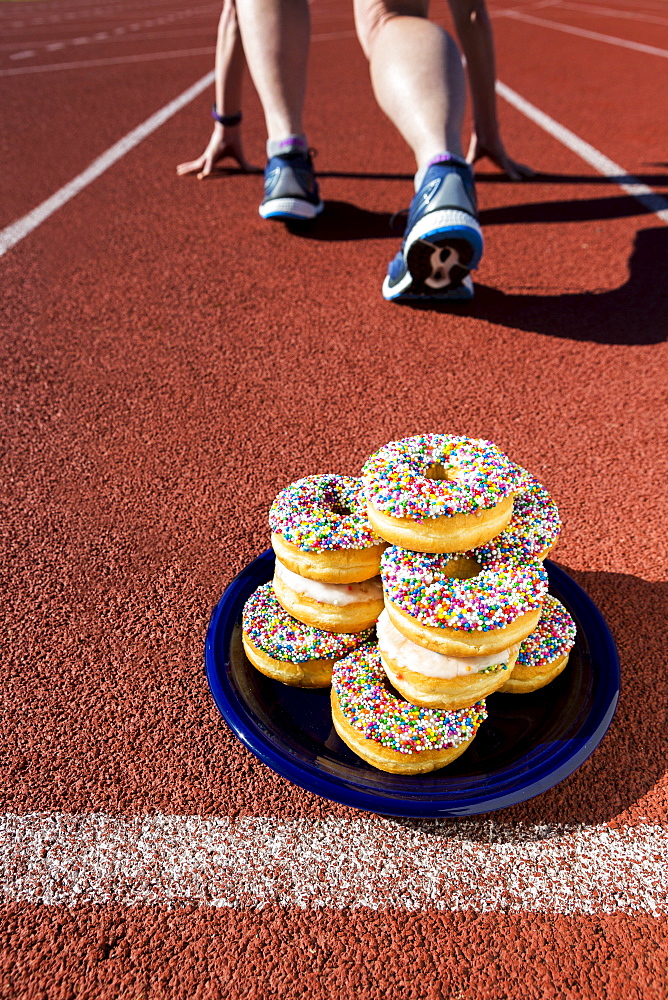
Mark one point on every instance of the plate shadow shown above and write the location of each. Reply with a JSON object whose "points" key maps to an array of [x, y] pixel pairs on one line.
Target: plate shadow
{"points": [[633, 756]]}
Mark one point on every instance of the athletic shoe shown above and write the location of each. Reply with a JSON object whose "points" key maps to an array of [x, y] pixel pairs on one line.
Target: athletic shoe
{"points": [[290, 188], [443, 239]]}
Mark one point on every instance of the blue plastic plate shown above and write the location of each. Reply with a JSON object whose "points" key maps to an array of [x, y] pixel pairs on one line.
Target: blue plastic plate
{"points": [[528, 744]]}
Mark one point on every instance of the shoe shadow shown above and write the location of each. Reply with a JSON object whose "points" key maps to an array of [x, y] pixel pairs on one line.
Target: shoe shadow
{"points": [[653, 180], [585, 210], [365, 175], [341, 221], [633, 756], [635, 313], [227, 170]]}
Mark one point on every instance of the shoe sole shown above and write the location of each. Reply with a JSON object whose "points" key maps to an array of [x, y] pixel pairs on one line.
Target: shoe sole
{"points": [[457, 293], [440, 251], [290, 208]]}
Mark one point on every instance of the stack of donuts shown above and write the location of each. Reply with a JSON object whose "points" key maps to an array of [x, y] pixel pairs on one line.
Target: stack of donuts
{"points": [[326, 594], [439, 545]]}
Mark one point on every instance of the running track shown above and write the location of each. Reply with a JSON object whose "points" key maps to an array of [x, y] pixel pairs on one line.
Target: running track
{"points": [[169, 362]]}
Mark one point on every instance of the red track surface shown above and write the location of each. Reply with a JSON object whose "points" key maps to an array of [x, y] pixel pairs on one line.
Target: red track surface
{"points": [[171, 361]]}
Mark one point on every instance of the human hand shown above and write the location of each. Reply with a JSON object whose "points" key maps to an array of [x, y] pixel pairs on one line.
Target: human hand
{"points": [[225, 142], [495, 151]]}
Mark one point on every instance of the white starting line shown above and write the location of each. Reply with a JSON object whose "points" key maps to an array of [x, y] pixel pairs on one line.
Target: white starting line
{"points": [[368, 862]]}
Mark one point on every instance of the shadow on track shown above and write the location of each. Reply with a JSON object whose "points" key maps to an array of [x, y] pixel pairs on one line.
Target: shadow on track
{"points": [[660, 180], [635, 313], [342, 221], [582, 210], [633, 756], [653, 180]]}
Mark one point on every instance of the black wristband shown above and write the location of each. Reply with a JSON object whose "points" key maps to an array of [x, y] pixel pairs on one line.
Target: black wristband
{"points": [[226, 119]]}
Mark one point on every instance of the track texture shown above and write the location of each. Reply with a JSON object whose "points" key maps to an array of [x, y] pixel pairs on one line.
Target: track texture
{"points": [[170, 361]]}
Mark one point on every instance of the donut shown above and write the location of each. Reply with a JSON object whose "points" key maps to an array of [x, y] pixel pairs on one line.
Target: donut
{"points": [[440, 493], [287, 650], [437, 681], [534, 528], [320, 530], [335, 607], [387, 732], [544, 654], [461, 606]]}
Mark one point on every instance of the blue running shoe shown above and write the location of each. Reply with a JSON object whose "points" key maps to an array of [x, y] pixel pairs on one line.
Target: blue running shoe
{"points": [[290, 187], [443, 239]]}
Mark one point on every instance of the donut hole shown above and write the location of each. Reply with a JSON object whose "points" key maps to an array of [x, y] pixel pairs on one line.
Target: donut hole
{"points": [[340, 509], [462, 567], [438, 471], [391, 690]]}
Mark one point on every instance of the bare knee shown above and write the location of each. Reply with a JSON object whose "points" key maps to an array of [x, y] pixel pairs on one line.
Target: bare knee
{"points": [[371, 15]]}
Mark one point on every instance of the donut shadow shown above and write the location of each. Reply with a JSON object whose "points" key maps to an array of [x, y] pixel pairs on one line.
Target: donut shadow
{"points": [[633, 755]]}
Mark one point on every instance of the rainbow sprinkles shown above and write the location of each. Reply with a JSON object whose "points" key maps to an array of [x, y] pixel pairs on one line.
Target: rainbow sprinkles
{"points": [[475, 476], [282, 637], [369, 707], [417, 583], [318, 513]]}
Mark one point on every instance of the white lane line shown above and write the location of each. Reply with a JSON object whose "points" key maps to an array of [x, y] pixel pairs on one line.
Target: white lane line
{"points": [[107, 61], [611, 12], [110, 25], [108, 36], [650, 200], [148, 57], [179, 31], [651, 50], [14, 233], [70, 859]]}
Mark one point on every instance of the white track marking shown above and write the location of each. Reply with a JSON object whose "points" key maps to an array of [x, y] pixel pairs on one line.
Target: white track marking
{"points": [[108, 61], [112, 34], [147, 57], [66, 859], [611, 12], [117, 36], [15, 232], [651, 50], [78, 13], [12, 234], [641, 192], [318, 14]]}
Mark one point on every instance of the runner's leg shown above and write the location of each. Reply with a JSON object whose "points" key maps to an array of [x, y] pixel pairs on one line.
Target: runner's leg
{"points": [[416, 73], [276, 35]]}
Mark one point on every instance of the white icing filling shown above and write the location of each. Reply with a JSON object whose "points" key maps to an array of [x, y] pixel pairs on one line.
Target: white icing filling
{"points": [[410, 656], [339, 594]]}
